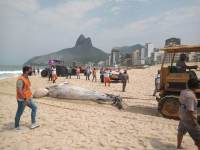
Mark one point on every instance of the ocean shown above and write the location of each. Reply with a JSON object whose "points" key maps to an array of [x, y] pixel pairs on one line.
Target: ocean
{"points": [[9, 71]]}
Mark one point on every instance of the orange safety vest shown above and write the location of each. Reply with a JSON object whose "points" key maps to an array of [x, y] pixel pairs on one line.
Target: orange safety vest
{"points": [[26, 88]]}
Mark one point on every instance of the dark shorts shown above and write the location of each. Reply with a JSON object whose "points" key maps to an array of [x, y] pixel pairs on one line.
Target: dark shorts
{"points": [[194, 132]]}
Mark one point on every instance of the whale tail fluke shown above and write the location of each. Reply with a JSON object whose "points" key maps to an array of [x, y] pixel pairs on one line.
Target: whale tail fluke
{"points": [[117, 101]]}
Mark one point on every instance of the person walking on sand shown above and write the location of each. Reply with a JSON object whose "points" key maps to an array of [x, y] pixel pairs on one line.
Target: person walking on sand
{"points": [[107, 77], [94, 75], [54, 75], [124, 79], [24, 98], [102, 75], [38, 70], [87, 73], [50, 73], [188, 116], [69, 73], [33, 71], [78, 72]]}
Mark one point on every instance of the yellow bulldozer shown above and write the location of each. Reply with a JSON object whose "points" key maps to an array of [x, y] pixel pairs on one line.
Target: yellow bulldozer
{"points": [[172, 81]]}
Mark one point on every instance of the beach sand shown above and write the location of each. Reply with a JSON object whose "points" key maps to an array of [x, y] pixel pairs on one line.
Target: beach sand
{"points": [[72, 124]]}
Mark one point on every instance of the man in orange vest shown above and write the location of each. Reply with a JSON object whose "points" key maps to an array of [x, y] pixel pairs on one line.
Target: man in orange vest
{"points": [[24, 98]]}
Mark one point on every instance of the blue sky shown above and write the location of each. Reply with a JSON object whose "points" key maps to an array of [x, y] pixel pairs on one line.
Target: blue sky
{"points": [[33, 27]]}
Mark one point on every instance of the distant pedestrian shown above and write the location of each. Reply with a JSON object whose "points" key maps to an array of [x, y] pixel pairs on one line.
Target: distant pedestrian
{"points": [[66, 73], [38, 70], [87, 73], [54, 75], [78, 72], [188, 116], [69, 74], [102, 75], [107, 77], [124, 79], [94, 75], [33, 71], [50, 73]]}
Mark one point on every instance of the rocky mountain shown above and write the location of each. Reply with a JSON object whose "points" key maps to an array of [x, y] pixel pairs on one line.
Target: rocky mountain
{"points": [[83, 52]]}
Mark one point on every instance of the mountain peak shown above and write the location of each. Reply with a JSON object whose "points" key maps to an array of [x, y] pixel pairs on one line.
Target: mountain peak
{"points": [[83, 42], [82, 53]]}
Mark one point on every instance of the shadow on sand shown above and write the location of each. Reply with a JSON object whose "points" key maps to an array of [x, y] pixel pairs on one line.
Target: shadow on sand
{"points": [[159, 145], [7, 127], [10, 126], [145, 110]]}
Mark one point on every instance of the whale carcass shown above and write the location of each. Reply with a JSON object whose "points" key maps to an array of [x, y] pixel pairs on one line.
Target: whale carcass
{"points": [[67, 91]]}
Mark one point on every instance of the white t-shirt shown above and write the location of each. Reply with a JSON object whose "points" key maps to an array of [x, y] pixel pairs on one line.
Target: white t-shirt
{"points": [[54, 71], [106, 74]]}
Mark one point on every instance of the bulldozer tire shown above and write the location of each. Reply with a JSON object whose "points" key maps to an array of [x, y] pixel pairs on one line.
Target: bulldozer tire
{"points": [[44, 73], [169, 107]]}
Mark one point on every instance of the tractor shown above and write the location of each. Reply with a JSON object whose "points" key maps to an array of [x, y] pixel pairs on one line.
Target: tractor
{"points": [[172, 81]]}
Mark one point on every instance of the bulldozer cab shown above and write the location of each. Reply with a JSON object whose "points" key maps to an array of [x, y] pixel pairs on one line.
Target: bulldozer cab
{"points": [[172, 80]]}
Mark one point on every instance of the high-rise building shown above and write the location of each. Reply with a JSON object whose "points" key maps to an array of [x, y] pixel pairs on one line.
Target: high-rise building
{"points": [[148, 54], [109, 60], [136, 57], [115, 57], [149, 48], [197, 57], [142, 56], [172, 42], [169, 43], [155, 57], [194, 56]]}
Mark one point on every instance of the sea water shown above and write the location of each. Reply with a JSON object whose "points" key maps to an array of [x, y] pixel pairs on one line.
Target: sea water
{"points": [[9, 71]]}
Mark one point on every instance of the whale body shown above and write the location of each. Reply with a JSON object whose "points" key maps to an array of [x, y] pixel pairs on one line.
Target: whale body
{"points": [[67, 91]]}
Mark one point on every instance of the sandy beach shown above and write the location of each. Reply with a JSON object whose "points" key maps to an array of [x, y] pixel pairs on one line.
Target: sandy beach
{"points": [[73, 124]]}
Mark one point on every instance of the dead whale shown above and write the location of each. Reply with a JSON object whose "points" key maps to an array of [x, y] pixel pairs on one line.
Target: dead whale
{"points": [[67, 91]]}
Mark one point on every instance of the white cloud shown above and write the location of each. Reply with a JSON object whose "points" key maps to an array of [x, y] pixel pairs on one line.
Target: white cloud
{"points": [[119, 1], [71, 15], [76, 9], [16, 7], [67, 16], [115, 10], [182, 22], [69, 11], [167, 19], [28, 26]]}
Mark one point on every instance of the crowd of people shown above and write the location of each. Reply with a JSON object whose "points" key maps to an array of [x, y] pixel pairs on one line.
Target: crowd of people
{"points": [[35, 70], [105, 75]]}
